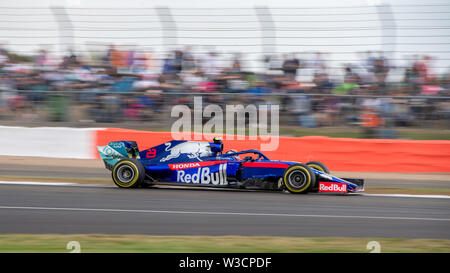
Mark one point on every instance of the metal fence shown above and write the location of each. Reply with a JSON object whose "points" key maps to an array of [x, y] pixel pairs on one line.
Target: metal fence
{"points": [[153, 109], [342, 33], [302, 58]]}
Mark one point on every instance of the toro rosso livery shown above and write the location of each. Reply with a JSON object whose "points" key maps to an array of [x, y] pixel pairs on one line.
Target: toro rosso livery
{"points": [[205, 164]]}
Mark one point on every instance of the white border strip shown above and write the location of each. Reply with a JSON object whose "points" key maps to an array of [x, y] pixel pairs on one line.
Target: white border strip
{"points": [[59, 184], [224, 213], [34, 183], [406, 195]]}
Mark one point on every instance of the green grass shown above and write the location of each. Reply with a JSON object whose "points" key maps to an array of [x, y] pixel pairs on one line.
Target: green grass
{"points": [[402, 133], [56, 243], [424, 134]]}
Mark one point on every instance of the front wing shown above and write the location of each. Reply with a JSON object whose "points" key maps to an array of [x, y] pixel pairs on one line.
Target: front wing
{"points": [[330, 183]]}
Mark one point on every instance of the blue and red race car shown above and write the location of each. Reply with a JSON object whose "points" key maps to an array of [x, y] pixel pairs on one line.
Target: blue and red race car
{"points": [[205, 164]]}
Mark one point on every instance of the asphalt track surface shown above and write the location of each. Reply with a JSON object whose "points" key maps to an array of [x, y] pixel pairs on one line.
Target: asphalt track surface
{"points": [[174, 211], [98, 171]]}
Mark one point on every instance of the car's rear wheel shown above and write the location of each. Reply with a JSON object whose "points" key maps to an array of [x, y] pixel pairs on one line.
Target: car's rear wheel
{"points": [[128, 173], [299, 178]]}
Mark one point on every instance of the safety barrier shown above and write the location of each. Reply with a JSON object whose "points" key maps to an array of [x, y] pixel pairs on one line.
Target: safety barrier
{"points": [[339, 154], [56, 142]]}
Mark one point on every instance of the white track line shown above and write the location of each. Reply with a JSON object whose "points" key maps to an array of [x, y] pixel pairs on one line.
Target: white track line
{"points": [[59, 184], [224, 213], [34, 183], [406, 195]]}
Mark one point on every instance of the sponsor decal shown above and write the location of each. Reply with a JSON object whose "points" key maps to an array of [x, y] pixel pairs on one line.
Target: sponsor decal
{"points": [[116, 145], [180, 166], [109, 153], [265, 165], [184, 166], [204, 176], [332, 187], [190, 148]]}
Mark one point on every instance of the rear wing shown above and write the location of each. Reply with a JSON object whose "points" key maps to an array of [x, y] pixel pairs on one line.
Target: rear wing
{"points": [[116, 150], [172, 151]]}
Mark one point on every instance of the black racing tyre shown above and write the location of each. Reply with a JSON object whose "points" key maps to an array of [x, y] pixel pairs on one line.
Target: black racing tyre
{"points": [[299, 178], [128, 173], [317, 165]]}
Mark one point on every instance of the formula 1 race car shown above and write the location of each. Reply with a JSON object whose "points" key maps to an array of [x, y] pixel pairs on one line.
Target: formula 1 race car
{"points": [[204, 164]]}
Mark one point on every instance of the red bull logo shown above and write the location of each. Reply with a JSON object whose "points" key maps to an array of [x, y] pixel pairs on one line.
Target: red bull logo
{"points": [[332, 187], [204, 176]]}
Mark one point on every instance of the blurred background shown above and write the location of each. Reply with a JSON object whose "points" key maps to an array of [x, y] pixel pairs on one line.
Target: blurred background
{"points": [[358, 68]]}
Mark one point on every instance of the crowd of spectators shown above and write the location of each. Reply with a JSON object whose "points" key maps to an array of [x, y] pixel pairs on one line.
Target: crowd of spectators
{"points": [[131, 85]]}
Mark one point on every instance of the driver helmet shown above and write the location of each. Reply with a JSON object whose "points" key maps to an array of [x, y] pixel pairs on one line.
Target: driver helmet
{"points": [[236, 157]]}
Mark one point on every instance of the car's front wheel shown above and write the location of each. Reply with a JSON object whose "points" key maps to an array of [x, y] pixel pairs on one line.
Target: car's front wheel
{"points": [[317, 165], [128, 173], [299, 178]]}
